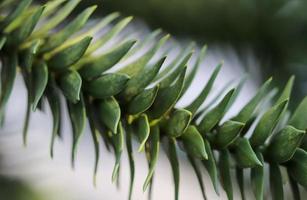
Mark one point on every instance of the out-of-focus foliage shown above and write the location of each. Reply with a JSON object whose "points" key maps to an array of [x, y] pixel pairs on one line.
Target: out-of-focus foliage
{"points": [[275, 29]]}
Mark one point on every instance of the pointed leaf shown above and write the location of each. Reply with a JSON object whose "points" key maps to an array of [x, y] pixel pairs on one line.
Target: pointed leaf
{"points": [[40, 80], [96, 65], [297, 167], [70, 83], [177, 123], [204, 93], [224, 165], [240, 179], [131, 160], [276, 184], [213, 117], [294, 187], [142, 101], [142, 130], [227, 133], [257, 178], [198, 175], [68, 56], [287, 91], [173, 158], [284, 144], [77, 117], [167, 97], [298, 119], [244, 154], [118, 143], [109, 113], [106, 85], [267, 123], [194, 143], [154, 144]]}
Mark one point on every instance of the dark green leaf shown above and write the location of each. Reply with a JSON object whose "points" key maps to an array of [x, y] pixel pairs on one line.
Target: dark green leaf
{"points": [[177, 123], [286, 92], [40, 80], [294, 187], [69, 55], [283, 144], [118, 143], [299, 117], [267, 123], [276, 182], [224, 165], [142, 130], [194, 143], [106, 85], [142, 101], [109, 113], [198, 175], [173, 158], [257, 178], [297, 167], [240, 179], [244, 154], [70, 83], [131, 160]]}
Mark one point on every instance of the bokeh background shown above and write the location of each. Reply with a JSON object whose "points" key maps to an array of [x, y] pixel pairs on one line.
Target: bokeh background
{"points": [[260, 38]]}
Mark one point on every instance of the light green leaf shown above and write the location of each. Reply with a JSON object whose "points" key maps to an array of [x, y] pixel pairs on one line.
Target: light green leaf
{"points": [[70, 84], [109, 113], [299, 117], [106, 85], [287, 91]]}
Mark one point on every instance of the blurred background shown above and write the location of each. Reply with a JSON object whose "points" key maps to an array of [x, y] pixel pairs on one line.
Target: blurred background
{"points": [[261, 38]]}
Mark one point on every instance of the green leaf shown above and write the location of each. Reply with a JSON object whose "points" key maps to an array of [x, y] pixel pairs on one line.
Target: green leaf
{"points": [[248, 110], [174, 74], [142, 130], [191, 75], [106, 85], [142, 101], [298, 119], [68, 56], [27, 120], [118, 143], [267, 123], [8, 74], [276, 184], [57, 18], [244, 154], [26, 28], [227, 133], [141, 80], [194, 143], [58, 38], [154, 146], [177, 123], [210, 165], [173, 158], [212, 118], [204, 93], [198, 175], [287, 91], [3, 40], [109, 113], [40, 80], [257, 178], [26, 56], [297, 167], [294, 187], [70, 84], [224, 165], [283, 144], [109, 35], [240, 179], [136, 66], [54, 101], [20, 8], [131, 160], [77, 117], [96, 65], [167, 97]]}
